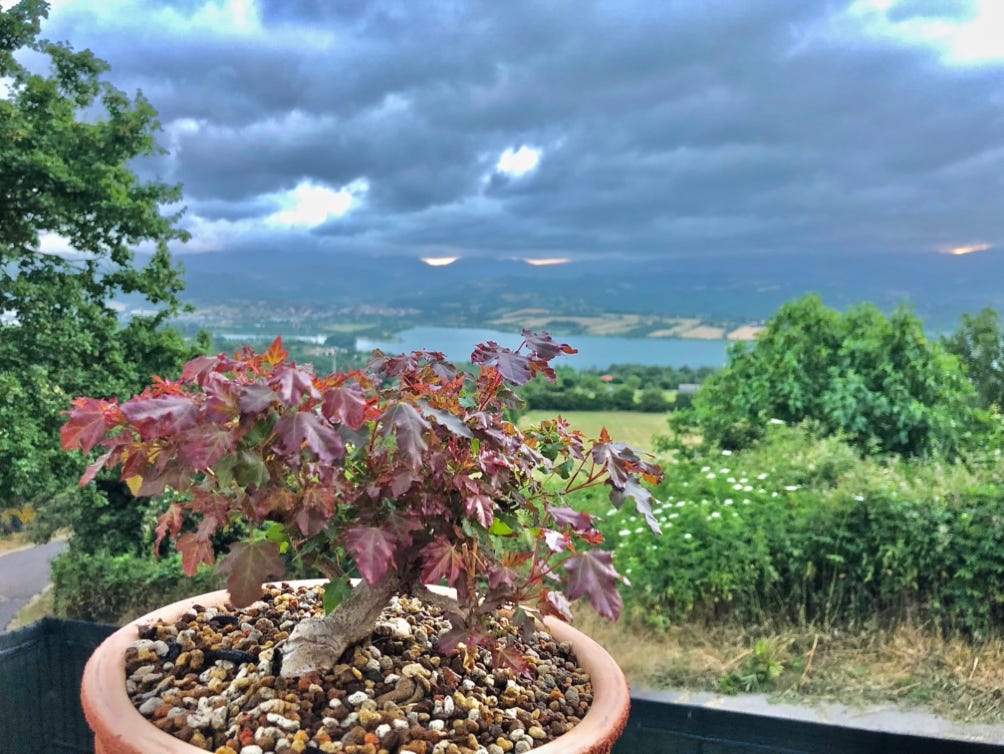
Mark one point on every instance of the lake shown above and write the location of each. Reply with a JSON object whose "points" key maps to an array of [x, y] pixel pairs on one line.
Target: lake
{"points": [[594, 351]]}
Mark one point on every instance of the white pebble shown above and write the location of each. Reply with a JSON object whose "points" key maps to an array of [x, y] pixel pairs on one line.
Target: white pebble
{"points": [[357, 698]]}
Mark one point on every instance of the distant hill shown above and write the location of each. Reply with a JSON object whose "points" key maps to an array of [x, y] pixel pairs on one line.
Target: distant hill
{"points": [[726, 288]]}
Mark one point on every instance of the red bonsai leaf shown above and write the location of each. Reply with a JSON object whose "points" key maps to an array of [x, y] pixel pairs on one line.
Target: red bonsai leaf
{"points": [[194, 550], [204, 446], [160, 417], [504, 656], [169, 522], [446, 419], [580, 521], [373, 551], [403, 422], [291, 383], [481, 507], [592, 574], [544, 346], [555, 540], [440, 560], [557, 604], [642, 502], [306, 428], [198, 369], [248, 565], [275, 354], [514, 367], [346, 405], [94, 468], [86, 426], [255, 398]]}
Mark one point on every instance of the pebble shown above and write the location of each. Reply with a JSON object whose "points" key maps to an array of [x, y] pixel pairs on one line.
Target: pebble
{"points": [[208, 679]]}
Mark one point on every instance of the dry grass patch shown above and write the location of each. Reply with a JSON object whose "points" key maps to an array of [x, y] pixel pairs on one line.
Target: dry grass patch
{"points": [[908, 667], [37, 608], [12, 542]]}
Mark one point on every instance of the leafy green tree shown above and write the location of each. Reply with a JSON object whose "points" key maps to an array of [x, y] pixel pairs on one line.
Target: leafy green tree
{"points": [[979, 344], [67, 141], [876, 380]]}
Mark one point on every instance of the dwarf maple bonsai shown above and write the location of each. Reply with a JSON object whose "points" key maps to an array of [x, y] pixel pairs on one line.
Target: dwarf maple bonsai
{"points": [[405, 473]]}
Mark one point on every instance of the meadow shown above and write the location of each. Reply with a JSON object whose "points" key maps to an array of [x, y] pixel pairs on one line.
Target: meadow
{"points": [[636, 428]]}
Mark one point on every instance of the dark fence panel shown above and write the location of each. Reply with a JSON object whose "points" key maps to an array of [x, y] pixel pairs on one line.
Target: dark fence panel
{"points": [[41, 666], [40, 670], [661, 728]]}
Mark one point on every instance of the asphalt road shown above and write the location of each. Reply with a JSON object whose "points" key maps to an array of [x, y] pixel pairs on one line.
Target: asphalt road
{"points": [[23, 574]]}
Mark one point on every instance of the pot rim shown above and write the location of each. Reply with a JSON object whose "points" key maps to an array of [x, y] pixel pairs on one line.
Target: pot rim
{"points": [[120, 729]]}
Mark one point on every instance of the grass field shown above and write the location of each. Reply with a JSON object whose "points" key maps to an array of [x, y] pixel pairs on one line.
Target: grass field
{"points": [[633, 427]]}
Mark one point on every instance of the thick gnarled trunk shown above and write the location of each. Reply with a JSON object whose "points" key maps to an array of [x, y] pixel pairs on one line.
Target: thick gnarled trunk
{"points": [[317, 643]]}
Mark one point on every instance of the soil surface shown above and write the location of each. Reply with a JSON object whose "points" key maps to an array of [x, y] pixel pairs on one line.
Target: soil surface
{"points": [[211, 679]]}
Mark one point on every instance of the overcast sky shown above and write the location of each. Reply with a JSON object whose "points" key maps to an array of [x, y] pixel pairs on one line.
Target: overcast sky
{"points": [[552, 130]]}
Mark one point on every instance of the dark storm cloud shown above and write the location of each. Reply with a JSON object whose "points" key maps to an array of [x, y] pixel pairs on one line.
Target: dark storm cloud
{"points": [[664, 127]]}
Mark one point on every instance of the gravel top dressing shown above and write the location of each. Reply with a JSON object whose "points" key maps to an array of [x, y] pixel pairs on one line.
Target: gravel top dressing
{"points": [[211, 679]]}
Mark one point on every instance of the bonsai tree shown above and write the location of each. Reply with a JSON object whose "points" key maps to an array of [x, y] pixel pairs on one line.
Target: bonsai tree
{"points": [[403, 474]]}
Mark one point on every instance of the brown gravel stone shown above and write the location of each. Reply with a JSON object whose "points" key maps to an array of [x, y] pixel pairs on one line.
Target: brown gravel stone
{"points": [[210, 679]]}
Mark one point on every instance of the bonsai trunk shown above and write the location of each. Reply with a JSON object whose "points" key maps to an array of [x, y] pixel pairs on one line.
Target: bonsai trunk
{"points": [[316, 644]]}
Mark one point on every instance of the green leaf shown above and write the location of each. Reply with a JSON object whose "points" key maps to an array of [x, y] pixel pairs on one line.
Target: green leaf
{"points": [[500, 528], [334, 593]]}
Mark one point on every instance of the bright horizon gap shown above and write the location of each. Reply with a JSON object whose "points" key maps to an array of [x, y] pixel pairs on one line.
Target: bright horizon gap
{"points": [[439, 261], [959, 251], [546, 262]]}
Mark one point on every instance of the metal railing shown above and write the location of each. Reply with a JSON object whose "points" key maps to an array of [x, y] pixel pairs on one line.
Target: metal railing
{"points": [[41, 666]]}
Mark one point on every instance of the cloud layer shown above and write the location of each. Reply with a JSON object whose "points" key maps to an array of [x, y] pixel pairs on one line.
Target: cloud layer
{"points": [[658, 128]]}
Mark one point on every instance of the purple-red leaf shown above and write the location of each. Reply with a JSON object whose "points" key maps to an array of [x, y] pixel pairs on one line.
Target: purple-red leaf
{"points": [[558, 605], [481, 507], [85, 427], [255, 398], [94, 468], [249, 564], [544, 346], [580, 521], [161, 416], [305, 428], [448, 420], [592, 574], [440, 560], [642, 502], [292, 383], [373, 550], [199, 368], [555, 540], [403, 421], [346, 405], [194, 551], [204, 446]]}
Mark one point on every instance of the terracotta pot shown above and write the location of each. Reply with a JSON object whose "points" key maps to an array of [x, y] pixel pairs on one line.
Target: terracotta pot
{"points": [[120, 729]]}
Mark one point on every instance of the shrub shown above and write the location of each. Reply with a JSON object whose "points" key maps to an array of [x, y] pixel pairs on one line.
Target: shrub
{"points": [[802, 531], [875, 380], [111, 588]]}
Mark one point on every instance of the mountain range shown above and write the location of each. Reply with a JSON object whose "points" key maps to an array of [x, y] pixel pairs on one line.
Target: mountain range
{"points": [[730, 288]]}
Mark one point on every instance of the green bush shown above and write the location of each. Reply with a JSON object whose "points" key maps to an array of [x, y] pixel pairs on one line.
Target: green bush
{"points": [[803, 531], [875, 380], [112, 588]]}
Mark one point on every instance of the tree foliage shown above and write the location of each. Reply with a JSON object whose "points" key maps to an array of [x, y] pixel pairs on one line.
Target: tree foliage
{"points": [[72, 212], [979, 344], [874, 379]]}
